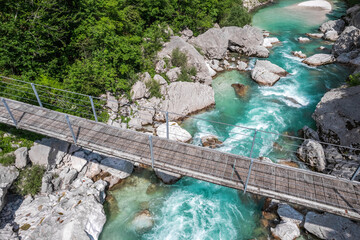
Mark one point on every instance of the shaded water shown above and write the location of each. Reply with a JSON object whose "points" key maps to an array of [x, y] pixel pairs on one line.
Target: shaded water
{"points": [[192, 209]]}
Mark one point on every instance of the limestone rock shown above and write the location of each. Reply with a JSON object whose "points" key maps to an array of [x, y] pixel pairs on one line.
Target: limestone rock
{"points": [[319, 59], [145, 77], [77, 213], [329, 226], [160, 79], [241, 66], [7, 177], [210, 141], [315, 35], [138, 90], [299, 54], [333, 25], [186, 34], [288, 214], [117, 167], [167, 177], [176, 133], [267, 73], [312, 153], [46, 184], [161, 66], [48, 152], [21, 157], [215, 42], [184, 98], [240, 89], [286, 231], [269, 41], [348, 41], [309, 133], [112, 103], [250, 5], [78, 160], [303, 39], [195, 59], [337, 117], [173, 74], [331, 35]]}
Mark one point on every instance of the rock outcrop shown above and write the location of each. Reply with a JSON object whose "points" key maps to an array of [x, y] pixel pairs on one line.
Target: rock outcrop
{"points": [[215, 42], [266, 73], [252, 4], [333, 25], [77, 213], [176, 133], [329, 226], [194, 58], [7, 177], [319, 59], [288, 214], [312, 153], [348, 41], [48, 152], [338, 118]]}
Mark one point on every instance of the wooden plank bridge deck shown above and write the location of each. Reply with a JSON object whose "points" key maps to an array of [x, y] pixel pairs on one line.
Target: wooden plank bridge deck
{"points": [[294, 185]]}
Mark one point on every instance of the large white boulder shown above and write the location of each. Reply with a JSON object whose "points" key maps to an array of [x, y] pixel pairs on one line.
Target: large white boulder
{"points": [[48, 152], [319, 59], [286, 231], [138, 90], [266, 73], [176, 132]]}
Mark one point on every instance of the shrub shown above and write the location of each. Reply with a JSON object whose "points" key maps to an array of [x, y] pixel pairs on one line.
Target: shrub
{"points": [[236, 16], [178, 58], [7, 160], [154, 88], [354, 80], [29, 180]]}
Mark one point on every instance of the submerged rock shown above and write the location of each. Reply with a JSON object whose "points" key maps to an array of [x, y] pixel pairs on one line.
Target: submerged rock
{"points": [[319, 59], [143, 221], [267, 73], [240, 89], [210, 141], [329, 226], [167, 177], [176, 133]]}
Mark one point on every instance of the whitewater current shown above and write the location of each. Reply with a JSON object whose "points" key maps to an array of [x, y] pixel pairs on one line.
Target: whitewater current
{"points": [[193, 209]]}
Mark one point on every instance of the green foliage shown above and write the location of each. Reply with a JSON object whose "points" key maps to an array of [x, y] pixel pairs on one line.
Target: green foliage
{"points": [[352, 2], [354, 80], [7, 160], [154, 88], [12, 138], [29, 180], [96, 46], [178, 58]]}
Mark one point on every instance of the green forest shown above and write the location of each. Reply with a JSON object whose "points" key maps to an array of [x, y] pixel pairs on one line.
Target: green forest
{"points": [[93, 46]]}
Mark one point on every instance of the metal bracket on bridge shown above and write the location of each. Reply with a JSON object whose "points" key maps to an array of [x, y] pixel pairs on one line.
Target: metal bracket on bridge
{"points": [[151, 151], [251, 163], [93, 108], [9, 111], [355, 173], [36, 94], [71, 130], [167, 125]]}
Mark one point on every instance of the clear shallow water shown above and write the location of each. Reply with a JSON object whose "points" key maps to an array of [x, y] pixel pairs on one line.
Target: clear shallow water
{"points": [[192, 209]]}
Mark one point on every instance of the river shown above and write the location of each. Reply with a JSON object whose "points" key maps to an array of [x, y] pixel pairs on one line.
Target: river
{"points": [[192, 209]]}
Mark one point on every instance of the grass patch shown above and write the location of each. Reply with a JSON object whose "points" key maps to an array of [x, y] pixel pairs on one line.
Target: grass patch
{"points": [[12, 139], [154, 88], [7, 160], [179, 59], [29, 180], [354, 80]]}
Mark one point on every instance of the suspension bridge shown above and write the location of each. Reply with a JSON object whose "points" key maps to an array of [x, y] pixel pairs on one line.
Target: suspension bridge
{"points": [[294, 185]]}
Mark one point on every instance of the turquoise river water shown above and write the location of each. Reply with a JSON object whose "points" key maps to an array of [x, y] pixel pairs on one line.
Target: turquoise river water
{"points": [[192, 209]]}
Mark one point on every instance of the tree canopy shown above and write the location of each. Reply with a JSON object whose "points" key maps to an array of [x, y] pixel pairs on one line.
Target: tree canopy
{"points": [[93, 46]]}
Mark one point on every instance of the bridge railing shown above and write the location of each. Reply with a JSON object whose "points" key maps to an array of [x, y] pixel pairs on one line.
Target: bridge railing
{"points": [[250, 142]]}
